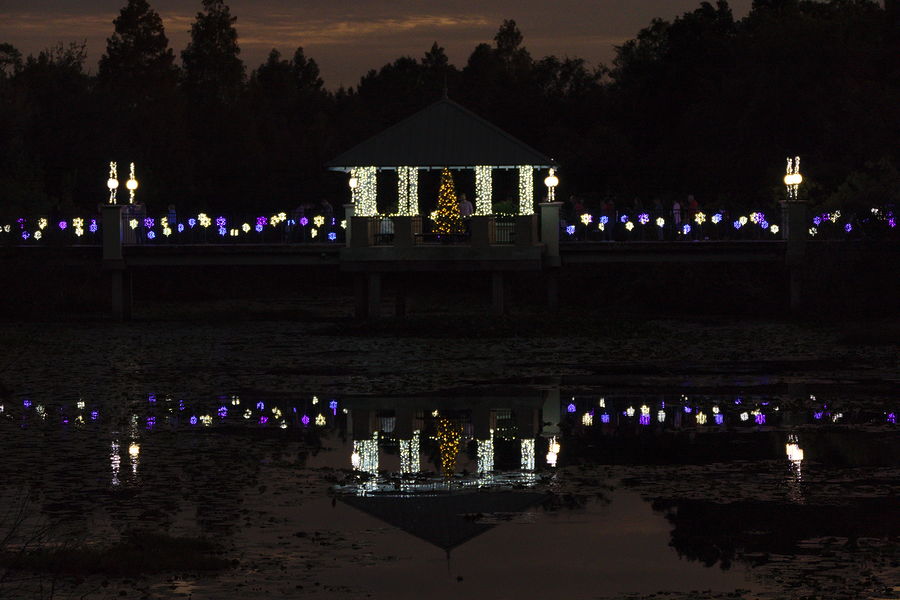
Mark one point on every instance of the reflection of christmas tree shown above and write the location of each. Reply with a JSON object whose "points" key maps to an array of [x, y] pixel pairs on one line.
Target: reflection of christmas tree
{"points": [[448, 444], [447, 219]]}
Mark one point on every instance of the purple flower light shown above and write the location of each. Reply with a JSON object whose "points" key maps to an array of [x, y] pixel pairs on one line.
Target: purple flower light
{"points": [[604, 418], [333, 406], [892, 223], [818, 416], [151, 422], [891, 418], [817, 221], [571, 407], [261, 221], [848, 227], [63, 224], [93, 226], [687, 409], [305, 420], [94, 415], [263, 420], [570, 230], [826, 217], [25, 235], [304, 221], [764, 224], [643, 218], [151, 398], [26, 403], [223, 412], [180, 227], [717, 218], [193, 420], [260, 405], [760, 419], [149, 222], [222, 231], [220, 221], [720, 418], [644, 420]]}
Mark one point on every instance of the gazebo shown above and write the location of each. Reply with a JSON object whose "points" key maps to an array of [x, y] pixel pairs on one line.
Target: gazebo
{"points": [[443, 135]]}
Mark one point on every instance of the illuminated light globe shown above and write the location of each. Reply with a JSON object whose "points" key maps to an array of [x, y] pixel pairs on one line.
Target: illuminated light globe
{"points": [[643, 218], [660, 222], [701, 418], [343, 223], [629, 225], [551, 181], [167, 231], [586, 219], [774, 228], [813, 231], [42, 223], [587, 419], [716, 218], [234, 232], [601, 227], [353, 182], [744, 416], [313, 232], [792, 177]]}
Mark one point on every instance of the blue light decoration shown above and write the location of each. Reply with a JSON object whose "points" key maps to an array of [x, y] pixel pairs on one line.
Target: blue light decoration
{"points": [[892, 223], [305, 420], [720, 418], [332, 236], [623, 219], [687, 409], [717, 218], [193, 420], [149, 222], [686, 229], [180, 227], [26, 403], [737, 224], [760, 419], [220, 221], [304, 221], [93, 226], [151, 422], [891, 418], [222, 231], [192, 222], [571, 407], [223, 412], [94, 415], [570, 230], [260, 405], [604, 418], [818, 415], [259, 228], [643, 218], [181, 405], [151, 235], [848, 227], [25, 235], [263, 420], [817, 221], [764, 224], [604, 219], [644, 419], [151, 398], [333, 406]]}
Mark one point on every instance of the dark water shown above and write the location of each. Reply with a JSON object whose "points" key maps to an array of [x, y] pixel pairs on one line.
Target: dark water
{"points": [[546, 492]]}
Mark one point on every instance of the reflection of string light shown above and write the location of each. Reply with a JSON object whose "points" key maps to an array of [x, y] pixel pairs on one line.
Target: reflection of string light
{"points": [[553, 451], [365, 455], [528, 454], [114, 462], [448, 436], [587, 419], [661, 416], [409, 454], [629, 411], [486, 454]]}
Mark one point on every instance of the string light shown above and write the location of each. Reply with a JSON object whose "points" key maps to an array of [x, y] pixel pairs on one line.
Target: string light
{"points": [[528, 454], [448, 219], [132, 185], [408, 191], [364, 193], [319, 220], [365, 455], [113, 182], [483, 190], [409, 454], [526, 190], [486, 454], [448, 437], [553, 449], [793, 178], [587, 419]]}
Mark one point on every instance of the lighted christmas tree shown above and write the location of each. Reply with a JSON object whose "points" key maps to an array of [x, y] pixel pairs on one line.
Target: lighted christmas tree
{"points": [[447, 219], [448, 442]]}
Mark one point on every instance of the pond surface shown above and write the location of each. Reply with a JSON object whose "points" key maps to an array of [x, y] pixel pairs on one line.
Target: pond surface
{"points": [[569, 491]]}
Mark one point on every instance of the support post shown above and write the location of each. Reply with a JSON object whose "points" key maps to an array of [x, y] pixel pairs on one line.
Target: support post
{"points": [[114, 262], [481, 229], [361, 232], [498, 293], [526, 230], [373, 289], [550, 231], [360, 296], [403, 231], [401, 299]]}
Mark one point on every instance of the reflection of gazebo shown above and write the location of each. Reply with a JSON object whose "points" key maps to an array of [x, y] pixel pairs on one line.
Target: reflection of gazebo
{"points": [[442, 135], [444, 520]]}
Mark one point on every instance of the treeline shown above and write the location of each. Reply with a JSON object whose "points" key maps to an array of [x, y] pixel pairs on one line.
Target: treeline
{"points": [[706, 105]]}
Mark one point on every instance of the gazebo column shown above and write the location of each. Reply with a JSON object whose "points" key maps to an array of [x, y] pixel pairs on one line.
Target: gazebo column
{"points": [[364, 190], [407, 206], [526, 223], [481, 227]]}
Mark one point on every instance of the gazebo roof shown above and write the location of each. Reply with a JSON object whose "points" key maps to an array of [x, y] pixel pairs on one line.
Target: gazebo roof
{"points": [[442, 135]]}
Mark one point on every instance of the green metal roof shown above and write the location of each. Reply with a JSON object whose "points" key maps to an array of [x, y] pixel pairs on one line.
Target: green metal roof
{"points": [[442, 135]]}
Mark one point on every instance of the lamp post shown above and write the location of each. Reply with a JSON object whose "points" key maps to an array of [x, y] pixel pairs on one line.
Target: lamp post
{"points": [[793, 178], [112, 183], [132, 185], [794, 232], [551, 181]]}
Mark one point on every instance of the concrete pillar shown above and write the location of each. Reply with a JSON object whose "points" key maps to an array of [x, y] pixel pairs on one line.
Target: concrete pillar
{"points": [[114, 262], [361, 232], [401, 298], [111, 217], [360, 296], [481, 228], [481, 422], [348, 217], [403, 232], [794, 219], [550, 231], [498, 293], [373, 289]]}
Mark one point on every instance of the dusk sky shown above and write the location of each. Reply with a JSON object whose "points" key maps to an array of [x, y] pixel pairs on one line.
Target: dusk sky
{"points": [[348, 38]]}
